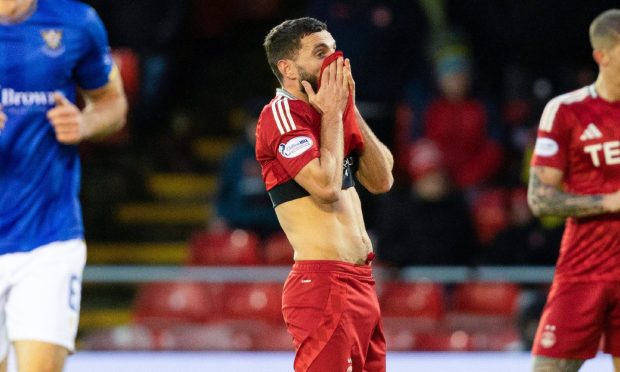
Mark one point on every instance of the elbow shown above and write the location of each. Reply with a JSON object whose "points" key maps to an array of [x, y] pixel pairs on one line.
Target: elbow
{"points": [[123, 111], [380, 186], [386, 185], [534, 206], [326, 194]]}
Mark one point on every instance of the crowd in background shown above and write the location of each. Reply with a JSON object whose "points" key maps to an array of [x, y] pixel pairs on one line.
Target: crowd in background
{"points": [[454, 88]]}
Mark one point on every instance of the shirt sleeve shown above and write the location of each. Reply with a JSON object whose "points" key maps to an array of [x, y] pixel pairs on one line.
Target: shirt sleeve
{"points": [[94, 67], [553, 138], [294, 142]]}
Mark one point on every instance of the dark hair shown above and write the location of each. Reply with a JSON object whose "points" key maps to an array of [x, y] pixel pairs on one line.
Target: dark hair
{"points": [[284, 40]]}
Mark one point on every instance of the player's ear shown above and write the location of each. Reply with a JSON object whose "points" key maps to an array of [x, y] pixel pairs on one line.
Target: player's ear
{"points": [[600, 57], [287, 69]]}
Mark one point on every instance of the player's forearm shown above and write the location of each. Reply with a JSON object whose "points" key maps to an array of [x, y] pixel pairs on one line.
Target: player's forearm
{"points": [[376, 161], [547, 200], [104, 115], [332, 150]]}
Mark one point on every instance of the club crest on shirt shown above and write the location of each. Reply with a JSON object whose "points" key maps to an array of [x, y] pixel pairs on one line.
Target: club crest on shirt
{"points": [[53, 42]]}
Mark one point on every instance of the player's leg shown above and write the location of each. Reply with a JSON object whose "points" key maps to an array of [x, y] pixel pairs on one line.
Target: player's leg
{"points": [[42, 310], [4, 340], [37, 356], [571, 326], [375, 356], [336, 356], [544, 364], [616, 364]]}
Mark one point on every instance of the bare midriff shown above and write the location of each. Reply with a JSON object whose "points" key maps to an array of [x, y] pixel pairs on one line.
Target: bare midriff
{"points": [[321, 231]]}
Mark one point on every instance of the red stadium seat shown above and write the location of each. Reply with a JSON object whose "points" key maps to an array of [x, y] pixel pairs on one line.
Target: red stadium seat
{"points": [[128, 65], [279, 339], [483, 307], [278, 250], [442, 341], [217, 336], [490, 211], [261, 301], [225, 335], [499, 340], [236, 247], [419, 300], [123, 338], [165, 303], [486, 298]]}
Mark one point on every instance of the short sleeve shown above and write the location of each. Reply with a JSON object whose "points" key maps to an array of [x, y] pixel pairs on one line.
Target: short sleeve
{"points": [[294, 142], [95, 65], [553, 138]]}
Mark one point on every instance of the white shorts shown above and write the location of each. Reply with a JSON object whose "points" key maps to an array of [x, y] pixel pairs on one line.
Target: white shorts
{"points": [[40, 294]]}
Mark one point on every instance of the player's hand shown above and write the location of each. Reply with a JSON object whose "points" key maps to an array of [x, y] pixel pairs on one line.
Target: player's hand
{"points": [[67, 120], [351, 82], [334, 92], [611, 202], [3, 118]]}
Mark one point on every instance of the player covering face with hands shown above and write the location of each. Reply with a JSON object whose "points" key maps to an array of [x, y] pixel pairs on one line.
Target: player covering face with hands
{"points": [[313, 146]]}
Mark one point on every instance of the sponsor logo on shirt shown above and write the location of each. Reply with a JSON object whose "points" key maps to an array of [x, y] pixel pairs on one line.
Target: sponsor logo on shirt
{"points": [[53, 42], [295, 147], [606, 152], [546, 147], [591, 132], [10, 97]]}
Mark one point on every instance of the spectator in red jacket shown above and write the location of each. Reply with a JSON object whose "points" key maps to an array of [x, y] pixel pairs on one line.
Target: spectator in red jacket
{"points": [[459, 124]]}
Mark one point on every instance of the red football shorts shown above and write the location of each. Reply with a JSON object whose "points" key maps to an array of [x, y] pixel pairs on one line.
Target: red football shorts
{"points": [[332, 311], [575, 317]]}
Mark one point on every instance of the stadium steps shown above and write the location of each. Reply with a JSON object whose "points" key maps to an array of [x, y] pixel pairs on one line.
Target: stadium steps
{"points": [[99, 318], [212, 150], [139, 253], [164, 213], [181, 186]]}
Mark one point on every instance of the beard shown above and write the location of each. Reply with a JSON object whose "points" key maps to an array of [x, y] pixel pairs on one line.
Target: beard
{"points": [[312, 79]]}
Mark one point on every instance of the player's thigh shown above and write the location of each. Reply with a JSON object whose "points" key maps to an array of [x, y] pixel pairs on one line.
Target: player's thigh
{"points": [[3, 364], [44, 302], [572, 322], [37, 356], [336, 356], [544, 364], [616, 364]]}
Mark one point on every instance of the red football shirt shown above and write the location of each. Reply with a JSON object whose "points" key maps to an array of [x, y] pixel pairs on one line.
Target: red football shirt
{"points": [[579, 133], [288, 137]]}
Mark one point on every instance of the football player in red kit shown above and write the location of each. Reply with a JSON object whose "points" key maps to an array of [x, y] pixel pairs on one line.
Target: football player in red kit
{"points": [[576, 173], [311, 141]]}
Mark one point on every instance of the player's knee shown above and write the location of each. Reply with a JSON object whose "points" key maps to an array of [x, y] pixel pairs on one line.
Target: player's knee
{"points": [[543, 364]]}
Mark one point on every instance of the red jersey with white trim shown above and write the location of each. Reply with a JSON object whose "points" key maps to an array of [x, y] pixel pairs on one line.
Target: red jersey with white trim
{"points": [[288, 137], [579, 134]]}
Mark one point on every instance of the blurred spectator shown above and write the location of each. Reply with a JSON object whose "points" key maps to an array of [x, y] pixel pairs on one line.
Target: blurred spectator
{"points": [[459, 124], [525, 241], [430, 223], [241, 200]]}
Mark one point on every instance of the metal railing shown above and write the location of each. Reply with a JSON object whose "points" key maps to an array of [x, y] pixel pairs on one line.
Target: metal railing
{"points": [[220, 274]]}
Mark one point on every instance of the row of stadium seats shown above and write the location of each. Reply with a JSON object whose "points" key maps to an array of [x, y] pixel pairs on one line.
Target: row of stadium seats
{"points": [[239, 247], [237, 316]]}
